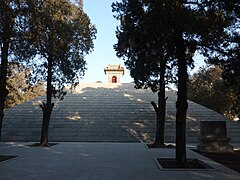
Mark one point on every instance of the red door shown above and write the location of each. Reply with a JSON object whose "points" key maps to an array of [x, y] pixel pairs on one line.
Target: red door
{"points": [[114, 79]]}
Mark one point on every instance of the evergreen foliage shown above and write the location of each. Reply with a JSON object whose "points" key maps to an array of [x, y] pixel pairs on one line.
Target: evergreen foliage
{"points": [[60, 32], [19, 88], [208, 88]]}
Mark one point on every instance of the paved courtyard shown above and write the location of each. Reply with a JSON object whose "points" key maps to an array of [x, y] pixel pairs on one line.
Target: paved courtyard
{"points": [[100, 161]]}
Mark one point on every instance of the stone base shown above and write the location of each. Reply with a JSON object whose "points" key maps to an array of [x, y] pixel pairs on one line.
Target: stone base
{"points": [[215, 147], [213, 137]]}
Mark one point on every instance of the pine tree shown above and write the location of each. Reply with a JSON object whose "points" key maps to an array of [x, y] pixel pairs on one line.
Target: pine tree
{"points": [[62, 35]]}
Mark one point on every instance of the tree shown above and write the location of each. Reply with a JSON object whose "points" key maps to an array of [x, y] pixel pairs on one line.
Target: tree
{"points": [[18, 86], [62, 35], [231, 75], [228, 56], [190, 26], [158, 43], [139, 37], [207, 85], [13, 26], [204, 26]]}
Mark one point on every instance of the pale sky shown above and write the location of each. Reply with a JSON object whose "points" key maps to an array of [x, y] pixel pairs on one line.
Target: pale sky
{"points": [[100, 13]]}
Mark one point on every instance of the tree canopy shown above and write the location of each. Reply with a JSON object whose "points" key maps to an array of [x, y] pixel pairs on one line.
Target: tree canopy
{"points": [[19, 88], [207, 85], [144, 42], [60, 30]]}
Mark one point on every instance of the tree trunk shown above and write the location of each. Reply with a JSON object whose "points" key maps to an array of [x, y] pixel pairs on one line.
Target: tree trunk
{"points": [[4, 61], [47, 108], [3, 79], [161, 109], [162, 102], [181, 103]]}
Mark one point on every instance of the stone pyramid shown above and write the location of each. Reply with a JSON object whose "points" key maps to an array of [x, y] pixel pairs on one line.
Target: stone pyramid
{"points": [[102, 112]]}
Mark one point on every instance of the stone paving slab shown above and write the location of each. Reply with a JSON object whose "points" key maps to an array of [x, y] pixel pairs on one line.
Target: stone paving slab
{"points": [[106, 161]]}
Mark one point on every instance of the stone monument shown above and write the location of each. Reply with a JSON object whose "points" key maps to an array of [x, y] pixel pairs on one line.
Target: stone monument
{"points": [[213, 137], [114, 73]]}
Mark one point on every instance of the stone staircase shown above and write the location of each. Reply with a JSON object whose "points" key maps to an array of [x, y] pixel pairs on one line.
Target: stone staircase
{"points": [[101, 112]]}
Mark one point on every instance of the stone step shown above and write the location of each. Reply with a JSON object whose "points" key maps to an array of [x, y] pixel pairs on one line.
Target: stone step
{"points": [[106, 113]]}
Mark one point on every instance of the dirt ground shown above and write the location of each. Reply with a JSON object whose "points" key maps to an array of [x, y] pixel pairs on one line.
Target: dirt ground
{"points": [[4, 158], [231, 160]]}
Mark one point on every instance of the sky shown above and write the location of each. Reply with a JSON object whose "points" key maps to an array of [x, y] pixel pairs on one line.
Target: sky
{"points": [[100, 13]]}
